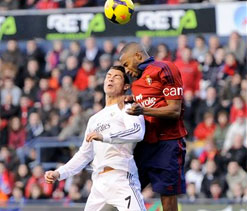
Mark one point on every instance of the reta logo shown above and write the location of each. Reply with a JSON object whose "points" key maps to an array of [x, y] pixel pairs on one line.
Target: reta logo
{"points": [[173, 91]]}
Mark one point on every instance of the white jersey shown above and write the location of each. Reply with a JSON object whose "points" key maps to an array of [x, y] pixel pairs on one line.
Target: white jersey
{"points": [[117, 127]]}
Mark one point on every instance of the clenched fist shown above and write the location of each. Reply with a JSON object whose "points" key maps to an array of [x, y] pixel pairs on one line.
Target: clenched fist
{"points": [[51, 176]]}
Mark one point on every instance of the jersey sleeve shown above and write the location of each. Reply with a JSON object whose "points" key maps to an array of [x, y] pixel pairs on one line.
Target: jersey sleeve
{"points": [[79, 160], [134, 130], [172, 85]]}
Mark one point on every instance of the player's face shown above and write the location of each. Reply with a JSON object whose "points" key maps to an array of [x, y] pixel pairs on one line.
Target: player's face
{"points": [[130, 63], [114, 83]]}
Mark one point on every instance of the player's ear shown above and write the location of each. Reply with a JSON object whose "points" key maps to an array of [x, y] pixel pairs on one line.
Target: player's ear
{"points": [[126, 87], [138, 56]]}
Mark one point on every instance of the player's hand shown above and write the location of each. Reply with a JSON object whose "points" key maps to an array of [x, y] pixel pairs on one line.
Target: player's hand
{"points": [[51, 176], [136, 109], [128, 99], [94, 136]]}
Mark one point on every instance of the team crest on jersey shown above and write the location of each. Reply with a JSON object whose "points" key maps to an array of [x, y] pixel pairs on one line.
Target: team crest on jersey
{"points": [[148, 79]]}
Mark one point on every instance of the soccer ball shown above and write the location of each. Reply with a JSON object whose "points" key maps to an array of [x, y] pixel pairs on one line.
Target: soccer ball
{"points": [[119, 11]]}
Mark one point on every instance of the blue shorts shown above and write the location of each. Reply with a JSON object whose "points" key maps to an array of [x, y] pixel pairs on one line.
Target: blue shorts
{"points": [[162, 165]]}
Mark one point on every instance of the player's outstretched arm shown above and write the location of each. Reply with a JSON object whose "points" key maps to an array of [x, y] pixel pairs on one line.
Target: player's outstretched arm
{"points": [[79, 161], [171, 111]]}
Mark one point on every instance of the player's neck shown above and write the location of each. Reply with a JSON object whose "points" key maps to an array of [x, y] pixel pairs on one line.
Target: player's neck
{"points": [[111, 100]]}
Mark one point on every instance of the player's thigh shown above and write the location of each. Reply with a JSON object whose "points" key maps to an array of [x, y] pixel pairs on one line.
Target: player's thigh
{"points": [[127, 194], [95, 201]]}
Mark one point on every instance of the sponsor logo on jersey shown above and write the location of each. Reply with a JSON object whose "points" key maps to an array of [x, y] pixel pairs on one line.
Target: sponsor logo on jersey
{"points": [[101, 127], [138, 97], [150, 102], [148, 80], [173, 91]]}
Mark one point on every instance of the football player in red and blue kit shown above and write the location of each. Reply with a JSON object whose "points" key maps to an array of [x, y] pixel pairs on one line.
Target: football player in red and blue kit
{"points": [[158, 92]]}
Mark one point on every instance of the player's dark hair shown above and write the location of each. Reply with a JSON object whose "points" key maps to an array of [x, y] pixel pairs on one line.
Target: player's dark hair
{"points": [[122, 69]]}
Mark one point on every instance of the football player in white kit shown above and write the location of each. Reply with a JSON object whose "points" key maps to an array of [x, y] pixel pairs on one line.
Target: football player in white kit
{"points": [[115, 177]]}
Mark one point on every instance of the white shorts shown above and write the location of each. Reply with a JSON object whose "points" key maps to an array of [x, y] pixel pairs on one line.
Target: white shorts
{"points": [[117, 188]]}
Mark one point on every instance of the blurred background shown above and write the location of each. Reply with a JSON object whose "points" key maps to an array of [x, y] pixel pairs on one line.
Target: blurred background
{"points": [[54, 55]]}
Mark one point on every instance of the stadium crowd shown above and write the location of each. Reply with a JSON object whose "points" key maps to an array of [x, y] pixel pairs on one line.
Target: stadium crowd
{"points": [[53, 93]]}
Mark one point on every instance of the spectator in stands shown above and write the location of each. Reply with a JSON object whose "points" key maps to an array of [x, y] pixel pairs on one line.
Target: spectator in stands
{"points": [[76, 124], [17, 195], [36, 192], [9, 70], [29, 90], [29, 4], [237, 107], [54, 79], [189, 70], [17, 134], [221, 129], [194, 175], [230, 66], [200, 50], [238, 152], [71, 68], [67, 91], [46, 107], [237, 46], [210, 176], [210, 152], [87, 69], [37, 178], [105, 62], [74, 195], [146, 41], [63, 111], [57, 56], [216, 191], [52, 125], [235, 175], [210, 104], [47, 4], [86, 97], [163, 53], [190, 105], [32, 70], [182, 43], [119, 47], [9, 5], [214, 44], [3, 132], [35, 127], [34, 52], [43, 88], [5, 182], [229, 90], [191, 193], [205, 129], [92, 51], [8, 110], [108, 47], [13, 54], [22, 176], [9, 88], [25, 108], [76, 51], [236, 128]]}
